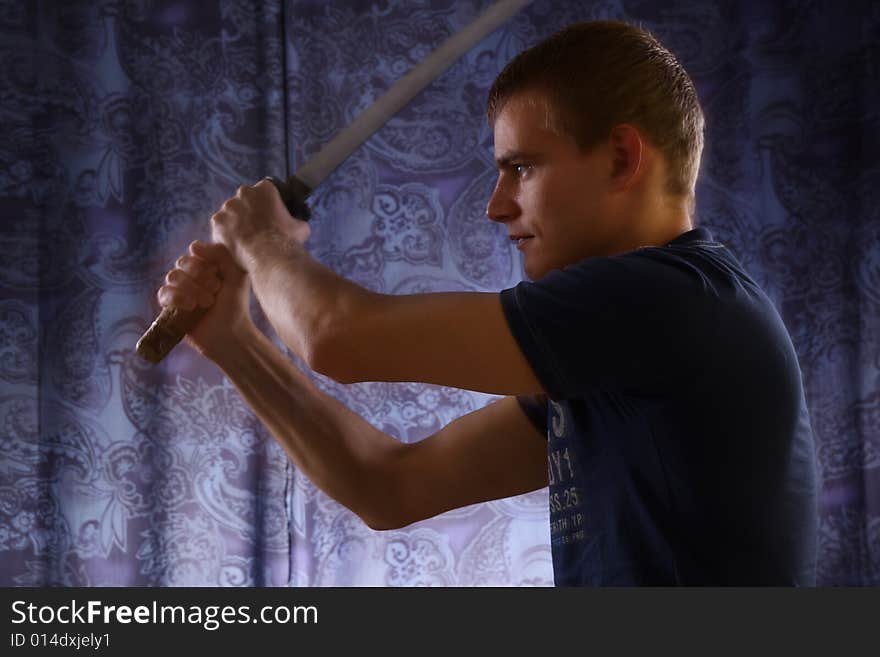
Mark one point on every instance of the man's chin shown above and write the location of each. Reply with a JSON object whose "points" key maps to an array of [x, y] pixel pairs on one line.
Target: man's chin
{"points": [[534, 271]]}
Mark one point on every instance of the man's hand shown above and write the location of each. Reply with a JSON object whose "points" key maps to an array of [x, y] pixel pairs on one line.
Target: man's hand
{"points": [[255, 215], [208, 277]]}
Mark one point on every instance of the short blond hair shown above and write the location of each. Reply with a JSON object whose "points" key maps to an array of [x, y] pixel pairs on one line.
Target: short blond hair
{"points": [[599, 74]]}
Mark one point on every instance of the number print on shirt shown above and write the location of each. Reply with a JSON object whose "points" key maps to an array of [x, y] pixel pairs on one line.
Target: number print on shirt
{"points": [[566, 495]]}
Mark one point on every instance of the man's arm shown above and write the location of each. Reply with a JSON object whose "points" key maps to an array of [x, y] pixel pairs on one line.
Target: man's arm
{"points": [[351, 334], [491, 453]]}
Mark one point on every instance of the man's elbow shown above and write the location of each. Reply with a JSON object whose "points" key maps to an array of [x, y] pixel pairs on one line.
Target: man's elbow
{"points": [[381, 524], [387, 522], [331, 356], [384, 502], [384, 512], [338, 343]]}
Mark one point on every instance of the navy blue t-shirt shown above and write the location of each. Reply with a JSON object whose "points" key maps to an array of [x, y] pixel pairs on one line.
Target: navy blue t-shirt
{"points": [[679, 443]]}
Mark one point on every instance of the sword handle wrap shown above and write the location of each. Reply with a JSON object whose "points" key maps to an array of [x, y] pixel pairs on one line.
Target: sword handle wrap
{"points": [[168, 329], [294, 193]]}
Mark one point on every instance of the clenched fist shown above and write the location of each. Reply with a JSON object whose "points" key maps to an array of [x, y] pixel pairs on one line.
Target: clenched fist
{"points": [[254, 215], [208, 277]]}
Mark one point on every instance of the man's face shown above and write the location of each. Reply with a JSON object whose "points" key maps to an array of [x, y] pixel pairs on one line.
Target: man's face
{"points": [[551, 196]]}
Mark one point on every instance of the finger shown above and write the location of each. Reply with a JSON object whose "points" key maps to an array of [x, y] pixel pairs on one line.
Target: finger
{"points": [[302, 230], [217, 254], [200, 270], [187, 290], [237, 201], [268, 190], [267, 187], [173, 297]]}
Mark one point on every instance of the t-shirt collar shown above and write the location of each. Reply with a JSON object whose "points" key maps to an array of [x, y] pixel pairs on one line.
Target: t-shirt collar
{"points": [[699, 234]]}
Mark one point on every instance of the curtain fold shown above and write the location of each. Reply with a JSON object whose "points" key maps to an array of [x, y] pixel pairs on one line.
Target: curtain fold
{"points": [[128, 123]]}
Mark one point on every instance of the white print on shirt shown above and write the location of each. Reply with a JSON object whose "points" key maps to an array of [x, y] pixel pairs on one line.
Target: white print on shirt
{"points": [[557, 420], [566, 498], [569, 527], [560, 467]]}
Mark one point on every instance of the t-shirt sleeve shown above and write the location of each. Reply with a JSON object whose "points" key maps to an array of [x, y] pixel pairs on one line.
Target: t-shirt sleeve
{"points": [[634, 323]]}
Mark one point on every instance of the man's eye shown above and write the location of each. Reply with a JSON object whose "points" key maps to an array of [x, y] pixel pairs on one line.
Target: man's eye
{"points": [[520, 169]]}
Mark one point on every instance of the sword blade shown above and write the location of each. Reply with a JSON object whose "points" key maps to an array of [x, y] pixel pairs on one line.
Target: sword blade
{"points": [[347, 140]]}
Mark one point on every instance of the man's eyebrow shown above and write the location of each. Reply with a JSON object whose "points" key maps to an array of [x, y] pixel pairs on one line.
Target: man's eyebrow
{"points": [[512, 156]]}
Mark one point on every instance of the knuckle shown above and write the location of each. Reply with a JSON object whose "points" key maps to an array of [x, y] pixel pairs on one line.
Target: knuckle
{"points": [[166, 296], [303, 231]]}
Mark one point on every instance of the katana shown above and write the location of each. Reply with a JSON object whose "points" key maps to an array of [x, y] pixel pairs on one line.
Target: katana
{"points": [[173, 323]]}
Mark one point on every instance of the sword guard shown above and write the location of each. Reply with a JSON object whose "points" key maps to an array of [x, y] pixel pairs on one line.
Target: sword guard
{"points": [[294, 193]]}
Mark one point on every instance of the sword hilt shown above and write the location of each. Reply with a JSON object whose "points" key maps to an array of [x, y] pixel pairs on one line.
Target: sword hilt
{"points": [[294, 193], [172, 323], [166, 331]]}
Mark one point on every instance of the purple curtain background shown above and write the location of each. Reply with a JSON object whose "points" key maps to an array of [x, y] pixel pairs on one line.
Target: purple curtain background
{"points": [[126, 124]]}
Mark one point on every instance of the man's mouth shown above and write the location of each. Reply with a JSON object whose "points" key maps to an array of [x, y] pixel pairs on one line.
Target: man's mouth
{"points": [[520, 239]]}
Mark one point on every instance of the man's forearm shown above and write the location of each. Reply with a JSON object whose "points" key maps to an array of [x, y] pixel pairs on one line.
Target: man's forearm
{"points": [[339, 451], [352, 334], [302, 299]]}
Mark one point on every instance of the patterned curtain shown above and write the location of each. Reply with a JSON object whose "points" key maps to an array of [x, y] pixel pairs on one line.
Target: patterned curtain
{"points": [[125, 124]]}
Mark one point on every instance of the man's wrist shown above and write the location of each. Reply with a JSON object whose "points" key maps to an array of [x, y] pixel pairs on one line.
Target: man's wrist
{"points": [[264, 247]]}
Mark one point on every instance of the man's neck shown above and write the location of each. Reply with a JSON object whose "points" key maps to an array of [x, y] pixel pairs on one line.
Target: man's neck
{"points": [[658, 223]]}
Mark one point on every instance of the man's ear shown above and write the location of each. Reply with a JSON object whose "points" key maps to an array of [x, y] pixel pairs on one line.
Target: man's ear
{"points": [[627, 150]]}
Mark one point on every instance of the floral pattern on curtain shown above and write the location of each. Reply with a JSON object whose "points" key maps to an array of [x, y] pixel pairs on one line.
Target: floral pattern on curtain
{"points": [[126, 123]]}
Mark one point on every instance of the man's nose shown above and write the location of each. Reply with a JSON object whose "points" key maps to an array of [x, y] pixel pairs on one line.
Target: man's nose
{"points": [[501, 207]]}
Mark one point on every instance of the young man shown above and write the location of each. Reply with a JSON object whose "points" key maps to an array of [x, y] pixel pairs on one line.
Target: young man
{"points": [[649, 380]]}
